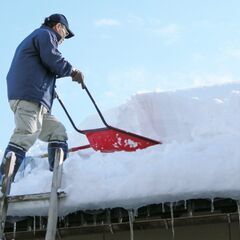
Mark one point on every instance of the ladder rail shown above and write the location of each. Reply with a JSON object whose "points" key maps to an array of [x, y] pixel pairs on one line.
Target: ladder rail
{"points": [[54, 199], [6, 188]]}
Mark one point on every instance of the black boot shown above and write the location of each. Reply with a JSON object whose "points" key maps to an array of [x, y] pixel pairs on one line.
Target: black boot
{"points": [[52, 146], [20, 155]]}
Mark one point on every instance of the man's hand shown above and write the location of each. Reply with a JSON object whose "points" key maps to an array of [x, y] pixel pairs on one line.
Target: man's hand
{"points": [[77, 76]]}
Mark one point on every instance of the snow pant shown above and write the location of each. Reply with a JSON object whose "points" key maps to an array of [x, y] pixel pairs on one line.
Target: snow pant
{"points": [[32, 122]]}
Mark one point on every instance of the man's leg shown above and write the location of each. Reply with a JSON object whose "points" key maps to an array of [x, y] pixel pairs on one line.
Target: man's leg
{"points": [[55, 134], [20, 155], [52, 146], [28, 118]]}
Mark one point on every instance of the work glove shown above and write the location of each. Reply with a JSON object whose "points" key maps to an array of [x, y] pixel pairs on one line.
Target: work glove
{"points": [[77, 76]]}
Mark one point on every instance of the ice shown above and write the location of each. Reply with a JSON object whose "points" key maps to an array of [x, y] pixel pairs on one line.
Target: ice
{"points": [[199, 157], [172, 219], [14, 229], [131, 219], [238, 207], [34, 225], [165, 223], [212, 205], [163, 208], [185, 204]]}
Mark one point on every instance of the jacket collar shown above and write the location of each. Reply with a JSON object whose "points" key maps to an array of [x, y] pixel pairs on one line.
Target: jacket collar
{"points": [[54, 32]]}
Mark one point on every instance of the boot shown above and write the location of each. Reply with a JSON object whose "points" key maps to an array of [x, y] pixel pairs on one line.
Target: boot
{"points": [[20, 155], [52, 146]]}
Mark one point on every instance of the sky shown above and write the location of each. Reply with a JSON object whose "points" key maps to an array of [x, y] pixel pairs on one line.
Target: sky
{"points": [[126, 47]]}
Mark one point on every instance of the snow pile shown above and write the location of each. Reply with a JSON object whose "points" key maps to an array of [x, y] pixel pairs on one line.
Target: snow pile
{"points": [[199, 157]]}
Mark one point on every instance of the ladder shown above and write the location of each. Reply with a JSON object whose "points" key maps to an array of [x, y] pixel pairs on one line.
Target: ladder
{"points": [[54, 196], [6, 187]]}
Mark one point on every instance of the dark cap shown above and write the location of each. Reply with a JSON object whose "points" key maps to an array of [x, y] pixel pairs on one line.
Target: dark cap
{"points": [[60, 18]]}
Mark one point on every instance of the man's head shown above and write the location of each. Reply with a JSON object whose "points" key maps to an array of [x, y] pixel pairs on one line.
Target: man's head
{"points": [[60, 24]]}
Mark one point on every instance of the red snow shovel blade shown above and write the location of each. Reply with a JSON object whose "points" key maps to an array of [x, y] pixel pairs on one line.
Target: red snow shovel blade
{"points": [[114, 139]]}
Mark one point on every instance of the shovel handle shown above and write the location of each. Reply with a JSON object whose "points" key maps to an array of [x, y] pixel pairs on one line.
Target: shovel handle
{"points": [[96, 107], [83, 85], [73, 149]]}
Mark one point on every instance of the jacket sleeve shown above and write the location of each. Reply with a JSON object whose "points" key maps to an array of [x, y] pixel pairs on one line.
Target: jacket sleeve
{"points": [[51, 57]]}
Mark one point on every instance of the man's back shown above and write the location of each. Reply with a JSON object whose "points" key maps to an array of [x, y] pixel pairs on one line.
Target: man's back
{"points": [[34, 68]]}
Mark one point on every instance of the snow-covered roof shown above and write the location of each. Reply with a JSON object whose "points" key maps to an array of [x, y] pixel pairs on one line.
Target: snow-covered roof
{"points": [[199, 157]]}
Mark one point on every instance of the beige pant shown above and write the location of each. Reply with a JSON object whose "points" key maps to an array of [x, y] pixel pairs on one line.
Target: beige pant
{"points": [[33, 122]]}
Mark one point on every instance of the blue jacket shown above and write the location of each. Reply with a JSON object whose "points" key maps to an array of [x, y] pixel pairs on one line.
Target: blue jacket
{"points": [[35, 66]]}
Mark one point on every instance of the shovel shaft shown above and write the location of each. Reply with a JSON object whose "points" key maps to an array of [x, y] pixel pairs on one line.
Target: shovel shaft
{"points": [[97, 108], [68, 115], [73, 149]]}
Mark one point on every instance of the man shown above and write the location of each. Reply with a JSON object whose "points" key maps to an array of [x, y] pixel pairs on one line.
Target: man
{"points": [[36, 65]]}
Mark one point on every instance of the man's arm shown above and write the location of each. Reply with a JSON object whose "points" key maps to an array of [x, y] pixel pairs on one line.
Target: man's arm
{"points": [[51, 57]]}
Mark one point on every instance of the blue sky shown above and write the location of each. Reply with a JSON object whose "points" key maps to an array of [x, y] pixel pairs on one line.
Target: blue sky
{"points": [[125, 47]]}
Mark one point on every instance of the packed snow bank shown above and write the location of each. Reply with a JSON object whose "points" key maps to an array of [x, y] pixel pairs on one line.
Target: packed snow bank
{"points": [[199, 157]]}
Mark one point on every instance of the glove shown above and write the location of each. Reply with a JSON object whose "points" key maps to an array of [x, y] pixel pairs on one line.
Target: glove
{"points": [[77, 76]]}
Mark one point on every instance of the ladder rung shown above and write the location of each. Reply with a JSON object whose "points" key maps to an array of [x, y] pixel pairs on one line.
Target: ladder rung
{"points": [[33, 197]]}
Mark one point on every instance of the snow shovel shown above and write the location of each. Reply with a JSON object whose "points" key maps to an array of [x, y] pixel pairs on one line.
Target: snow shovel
{"points": [[110, 139]]}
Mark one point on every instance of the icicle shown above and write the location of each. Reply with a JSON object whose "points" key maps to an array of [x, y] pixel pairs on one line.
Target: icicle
{"points": [[131, 219], [109, 220], [212, 205], [95, 219], [238, 206], [65, 220], [34, 225], [40, 223], [229, 218], [135, 211], [185, 204], [166, 224], [229, 227], [190, 208], [120, 219], [82, 219], [148, 211], [172, 219], [163, 208], [108, 216], [29, 227], [14, 230], [59, 220]]}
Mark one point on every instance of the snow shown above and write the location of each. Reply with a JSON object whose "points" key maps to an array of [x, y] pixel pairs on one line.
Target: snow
{"points": [[199, 157]]}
